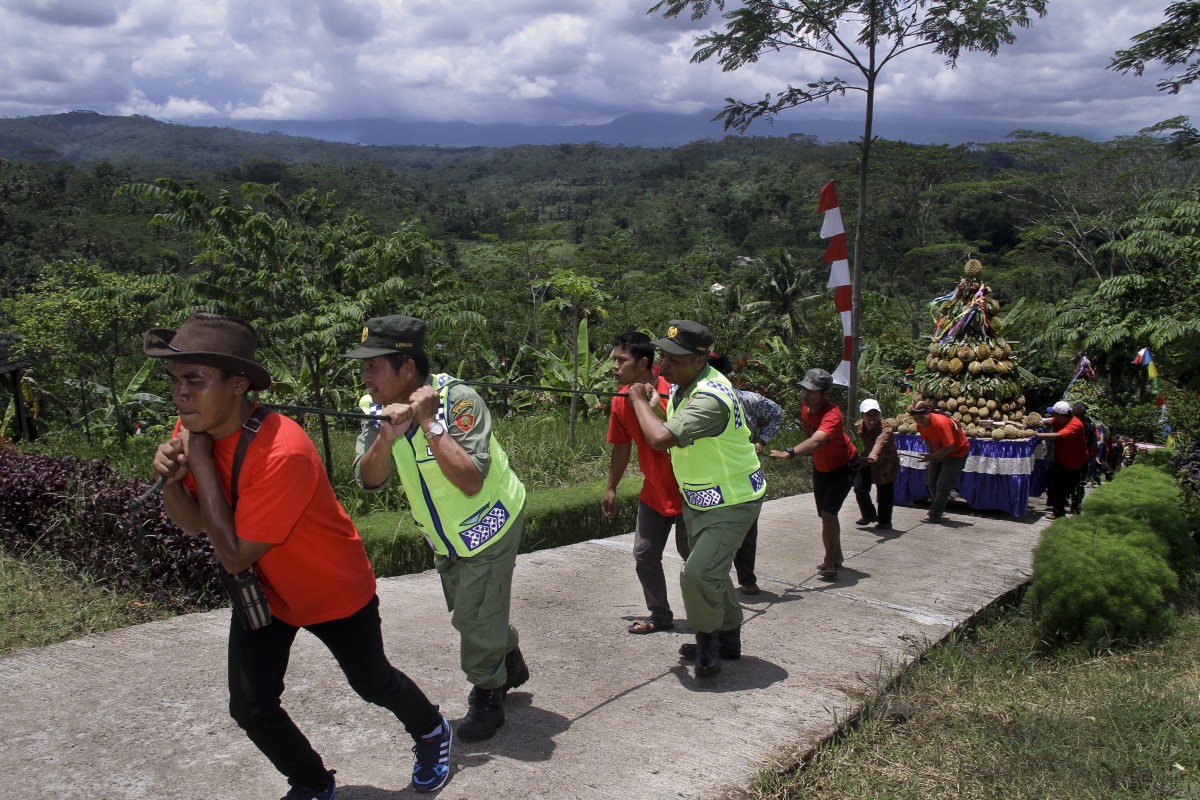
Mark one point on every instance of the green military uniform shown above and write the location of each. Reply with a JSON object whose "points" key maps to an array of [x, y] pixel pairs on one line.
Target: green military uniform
{"points": [[723, 485], [475, 539]]}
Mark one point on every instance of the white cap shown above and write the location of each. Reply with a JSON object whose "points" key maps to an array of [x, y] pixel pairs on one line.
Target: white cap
{"points": [[1062, 407], [868, 405]]}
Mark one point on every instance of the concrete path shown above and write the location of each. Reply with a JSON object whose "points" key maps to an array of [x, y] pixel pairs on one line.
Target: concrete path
{"points": [[141, 714]]}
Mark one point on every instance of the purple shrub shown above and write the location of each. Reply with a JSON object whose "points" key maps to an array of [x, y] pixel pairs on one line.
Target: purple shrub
{"points": [[78, 511]]}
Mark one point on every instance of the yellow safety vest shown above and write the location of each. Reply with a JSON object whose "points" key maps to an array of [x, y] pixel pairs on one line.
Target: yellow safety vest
{"points": [[451, 521], [721, 470]]}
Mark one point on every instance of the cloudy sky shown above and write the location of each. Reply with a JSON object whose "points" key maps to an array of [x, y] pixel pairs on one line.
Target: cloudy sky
{"points": [[540, 61]]}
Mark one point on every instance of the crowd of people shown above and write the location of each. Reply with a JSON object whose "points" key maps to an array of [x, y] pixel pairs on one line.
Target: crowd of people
{"points": [[253, 482]]}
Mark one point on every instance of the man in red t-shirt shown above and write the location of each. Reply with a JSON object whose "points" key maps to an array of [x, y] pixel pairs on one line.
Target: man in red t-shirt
{"points": [[660, 506], [1070, 455], [835, 460], [289, 526], [948, 448]]}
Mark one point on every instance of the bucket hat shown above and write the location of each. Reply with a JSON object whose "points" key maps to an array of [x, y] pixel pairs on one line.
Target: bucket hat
{"points": [[227, 343]]}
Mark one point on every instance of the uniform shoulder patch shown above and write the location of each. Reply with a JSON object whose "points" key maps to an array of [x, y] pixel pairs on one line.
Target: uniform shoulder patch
{"points": [[465, 421]]}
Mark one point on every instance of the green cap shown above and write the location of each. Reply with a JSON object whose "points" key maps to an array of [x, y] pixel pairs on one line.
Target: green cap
{"points": [[384, 336], [685, 338]]}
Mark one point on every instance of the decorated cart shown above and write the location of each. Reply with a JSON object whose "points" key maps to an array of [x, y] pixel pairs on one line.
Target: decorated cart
{"points": [[971, 375]]}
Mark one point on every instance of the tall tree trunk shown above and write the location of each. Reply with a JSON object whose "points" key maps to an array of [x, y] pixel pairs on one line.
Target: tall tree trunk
{"points": [[859, 239], [918, 290], [574, 374], [324, 421]]}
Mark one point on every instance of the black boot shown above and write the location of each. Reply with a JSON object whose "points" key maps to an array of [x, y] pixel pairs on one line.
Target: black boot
{"points": [[517, 672], [708, 658], [484, 715], [730, 646]]}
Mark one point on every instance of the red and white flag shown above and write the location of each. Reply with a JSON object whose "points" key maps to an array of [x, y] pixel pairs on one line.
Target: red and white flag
{"points": [[838, 257]]}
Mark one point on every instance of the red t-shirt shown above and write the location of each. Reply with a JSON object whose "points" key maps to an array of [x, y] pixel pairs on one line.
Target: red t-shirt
{"points": [[660, 490], [317, 570], [838, 450], [943, 431], [1070, 448]]}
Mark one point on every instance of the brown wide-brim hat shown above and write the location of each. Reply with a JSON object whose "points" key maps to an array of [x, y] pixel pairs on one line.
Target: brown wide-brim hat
{"points": [[226, 343]]}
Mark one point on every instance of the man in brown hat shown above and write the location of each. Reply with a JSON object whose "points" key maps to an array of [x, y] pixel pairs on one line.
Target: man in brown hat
{"points": [[435, 432], [278, 514], [720, 477], [948, 448]]}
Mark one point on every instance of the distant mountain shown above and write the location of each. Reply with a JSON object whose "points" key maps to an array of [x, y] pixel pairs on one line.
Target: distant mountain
{"points": [[638, 130], [149, 146]]}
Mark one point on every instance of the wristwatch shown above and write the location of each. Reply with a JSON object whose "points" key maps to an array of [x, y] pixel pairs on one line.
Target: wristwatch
{"points": [[436, 428]]}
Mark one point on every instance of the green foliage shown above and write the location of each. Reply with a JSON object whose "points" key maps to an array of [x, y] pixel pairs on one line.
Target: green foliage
{"points": [[1099, 582], [1186, 466], [1183, 413], [553, 518], [1142, 421], [1172, 43], [1148, 494]]}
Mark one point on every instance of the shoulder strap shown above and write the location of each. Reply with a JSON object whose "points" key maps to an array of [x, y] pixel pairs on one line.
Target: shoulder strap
{"points": [[249, 429]]}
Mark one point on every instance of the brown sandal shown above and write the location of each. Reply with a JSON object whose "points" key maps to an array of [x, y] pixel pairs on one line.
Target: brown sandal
{"points": [[640, 626]]}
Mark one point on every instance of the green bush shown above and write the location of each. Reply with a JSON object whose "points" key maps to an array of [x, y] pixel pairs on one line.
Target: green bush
{"points": [[1097, 586], [553, 518], [1147, 494], [1159, 459]]}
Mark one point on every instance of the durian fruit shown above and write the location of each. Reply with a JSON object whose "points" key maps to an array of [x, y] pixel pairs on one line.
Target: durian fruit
{"points": [[982, 351], [975, 367], [989, 366], [998, 433], [943, 365], [1033, 421], [997, 352], [974, 268], [956, 366], [966, 354]]}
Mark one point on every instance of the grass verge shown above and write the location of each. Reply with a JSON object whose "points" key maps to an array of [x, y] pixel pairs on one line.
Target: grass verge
{"points": [[993, 714], [43, 602]]}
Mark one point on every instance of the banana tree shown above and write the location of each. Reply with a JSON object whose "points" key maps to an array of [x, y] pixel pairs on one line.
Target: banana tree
{"points": [[114, 411]]}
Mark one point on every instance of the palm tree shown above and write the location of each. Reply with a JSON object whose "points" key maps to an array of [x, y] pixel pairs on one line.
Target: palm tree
{"points": [[781, 294]]}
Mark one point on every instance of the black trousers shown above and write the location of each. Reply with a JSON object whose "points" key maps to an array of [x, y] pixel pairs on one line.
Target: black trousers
{"points": [[258, 661], [1063, 483], [885, 492]]}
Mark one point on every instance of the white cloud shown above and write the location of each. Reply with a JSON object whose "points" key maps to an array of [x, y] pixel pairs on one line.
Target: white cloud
{"points": [[544, 61]]}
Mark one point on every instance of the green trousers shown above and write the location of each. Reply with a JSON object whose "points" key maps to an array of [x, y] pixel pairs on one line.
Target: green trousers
{"points": [[478, 593], [714, 537]]}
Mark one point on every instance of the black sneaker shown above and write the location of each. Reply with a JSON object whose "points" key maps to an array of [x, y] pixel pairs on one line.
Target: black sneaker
{"points": [[309, 793], [431, 769], [865, 521]]}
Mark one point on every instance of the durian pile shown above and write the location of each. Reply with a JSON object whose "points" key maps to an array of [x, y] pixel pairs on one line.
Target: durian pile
{"points": [[970, 370]]}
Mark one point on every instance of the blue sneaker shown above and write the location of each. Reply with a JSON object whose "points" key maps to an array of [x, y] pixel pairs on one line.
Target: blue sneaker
{"points": [[309, 793], [432, 767]]}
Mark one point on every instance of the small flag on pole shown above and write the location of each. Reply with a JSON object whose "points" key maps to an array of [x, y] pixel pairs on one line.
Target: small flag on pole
{"points": [[838, 257], [1145, 359]]}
